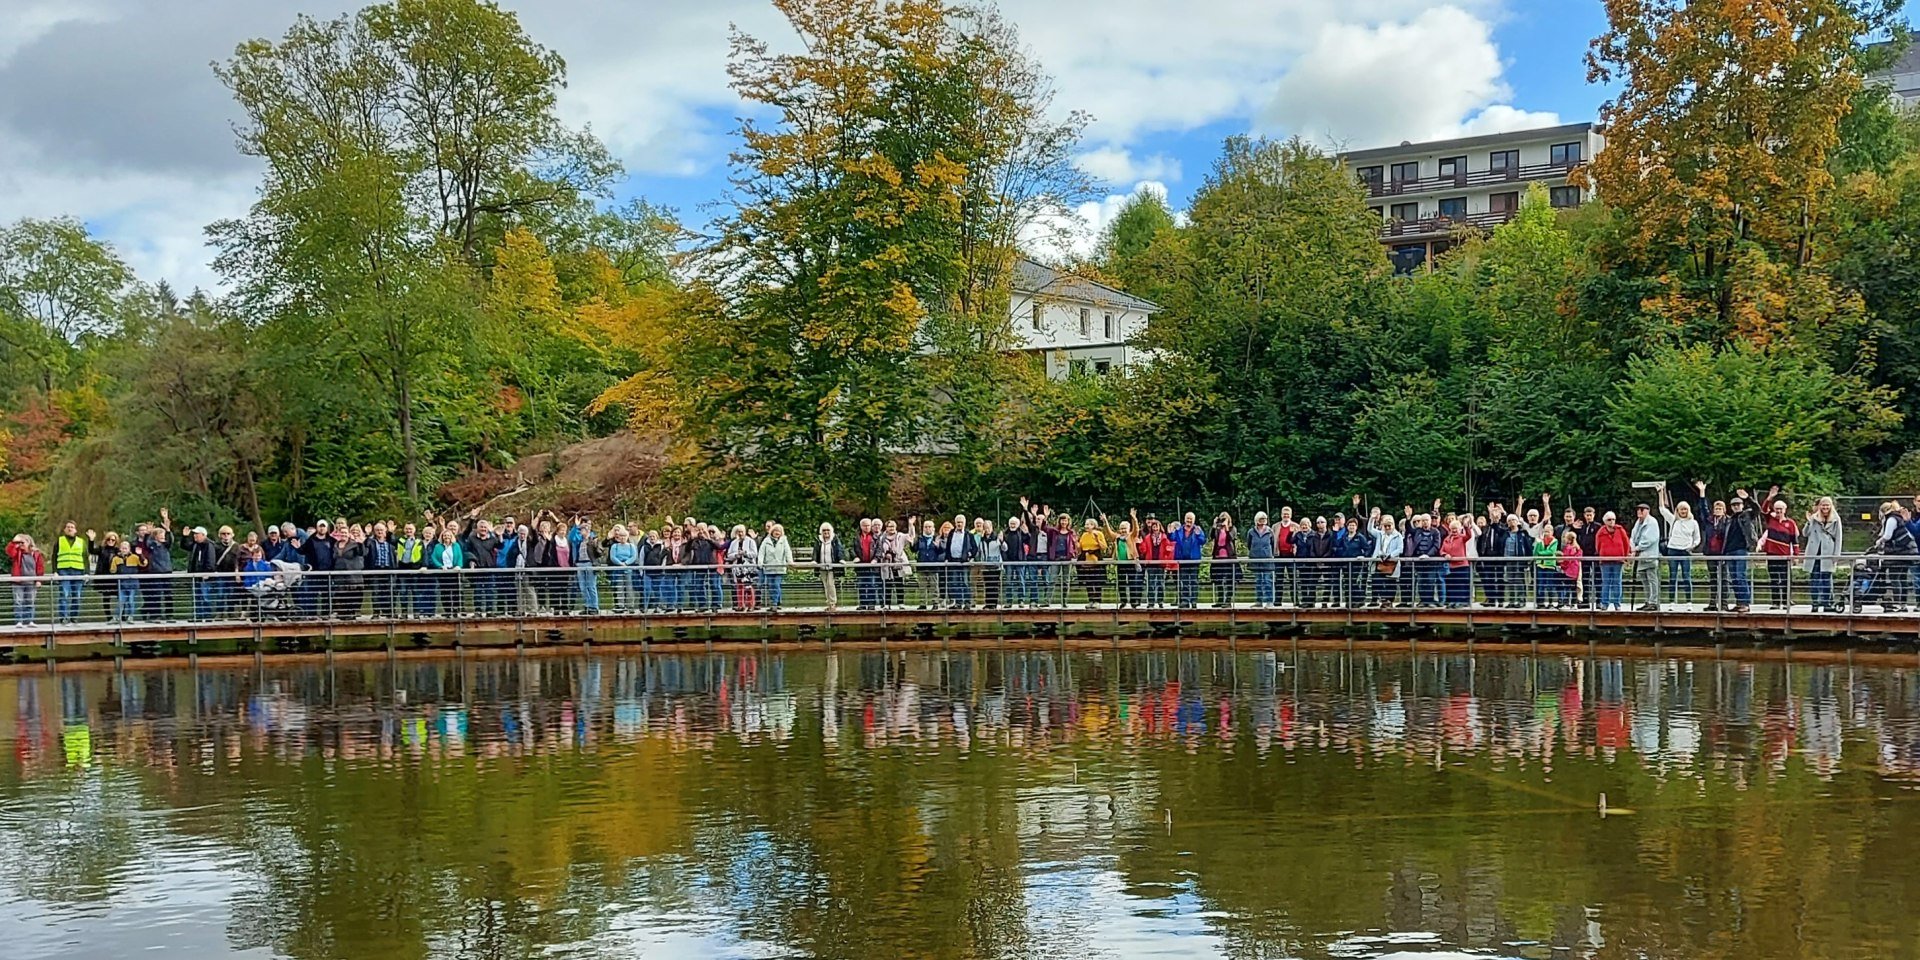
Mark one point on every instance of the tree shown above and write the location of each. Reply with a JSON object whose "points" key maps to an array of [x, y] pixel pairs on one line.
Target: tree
{"points": [[57, 284], [1722, 134], [391, 139], [1142, 219], [854, 301], [1747, 413], [188, 375], [1269, 287]]}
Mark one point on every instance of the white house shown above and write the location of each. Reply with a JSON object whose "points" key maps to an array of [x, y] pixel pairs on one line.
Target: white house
{"points": [[1077, 325], [1425, 192], [1903, 77]]}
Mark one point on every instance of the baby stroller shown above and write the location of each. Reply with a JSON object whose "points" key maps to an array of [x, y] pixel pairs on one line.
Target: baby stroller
{"points": [[273, 592], [1872, 583]]}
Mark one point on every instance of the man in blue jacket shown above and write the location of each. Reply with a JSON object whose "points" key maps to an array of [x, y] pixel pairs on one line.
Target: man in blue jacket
{"points": [[1189, 545]]}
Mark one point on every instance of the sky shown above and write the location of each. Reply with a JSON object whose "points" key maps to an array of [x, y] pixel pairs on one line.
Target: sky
{"points": [[110, 111]]}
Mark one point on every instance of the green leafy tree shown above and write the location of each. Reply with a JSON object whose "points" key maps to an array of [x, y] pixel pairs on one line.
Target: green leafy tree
{"points": [[1269, 287], [57, 285], [1741, 413], [393, 140], [1142, 219]]}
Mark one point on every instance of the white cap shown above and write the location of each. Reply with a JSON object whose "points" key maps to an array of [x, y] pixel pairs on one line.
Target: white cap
{"points": [[200, 530]]}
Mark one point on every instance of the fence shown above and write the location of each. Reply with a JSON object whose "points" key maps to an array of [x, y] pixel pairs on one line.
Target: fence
{"points": [[1731, 585]]}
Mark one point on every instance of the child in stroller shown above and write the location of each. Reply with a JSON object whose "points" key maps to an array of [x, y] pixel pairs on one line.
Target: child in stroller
{"points": [[1877, 581], [271, 584]]}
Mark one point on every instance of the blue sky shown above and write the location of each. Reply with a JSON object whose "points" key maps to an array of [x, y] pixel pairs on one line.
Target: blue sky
{"points": [[110, 112], [1542, 44]]}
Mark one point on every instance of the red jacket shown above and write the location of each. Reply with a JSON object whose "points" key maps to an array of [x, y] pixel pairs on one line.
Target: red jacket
{"points": [[1157, 548], [1612, 541], [18, 554], [1781, 538]]}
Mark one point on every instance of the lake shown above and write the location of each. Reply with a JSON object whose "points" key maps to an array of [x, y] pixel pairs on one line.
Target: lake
{"points": [[989, 802]]}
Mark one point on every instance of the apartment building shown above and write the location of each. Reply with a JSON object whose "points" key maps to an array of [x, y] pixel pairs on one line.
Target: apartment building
{"points": [[1426, 192]]}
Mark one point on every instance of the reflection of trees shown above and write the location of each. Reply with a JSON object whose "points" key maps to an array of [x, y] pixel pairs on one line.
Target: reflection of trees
{"points": [[497, 808]]}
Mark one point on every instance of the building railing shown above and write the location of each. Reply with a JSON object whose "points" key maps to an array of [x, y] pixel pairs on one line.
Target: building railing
{"points": [[1477, 178], [1442, 224], [1728, 585]]}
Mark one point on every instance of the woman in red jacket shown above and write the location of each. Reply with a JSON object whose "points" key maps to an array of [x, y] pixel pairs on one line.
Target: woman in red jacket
{"points": [[28, 564]]}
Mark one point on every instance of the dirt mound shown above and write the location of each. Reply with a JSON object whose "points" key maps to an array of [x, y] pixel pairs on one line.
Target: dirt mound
{"points": [[612, 476]]}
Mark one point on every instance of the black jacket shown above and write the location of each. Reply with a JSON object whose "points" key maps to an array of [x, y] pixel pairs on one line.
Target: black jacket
{"points": [[322, 553], [481, 552], [200, 556]]}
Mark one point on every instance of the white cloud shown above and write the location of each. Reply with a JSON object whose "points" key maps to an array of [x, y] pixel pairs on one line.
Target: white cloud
{"points": [[1119, 165], [1342, 91], [109, 112], [1075, 235]]}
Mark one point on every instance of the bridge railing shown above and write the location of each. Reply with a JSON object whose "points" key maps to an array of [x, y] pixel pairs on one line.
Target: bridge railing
{"points": [[1731, 585]]}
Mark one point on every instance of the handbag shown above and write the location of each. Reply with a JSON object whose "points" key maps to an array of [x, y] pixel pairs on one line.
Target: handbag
{"points": [[1386, 568]]}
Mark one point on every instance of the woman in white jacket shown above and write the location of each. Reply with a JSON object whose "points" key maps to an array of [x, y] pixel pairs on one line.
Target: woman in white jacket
{"points": [[1822, 532], [1683, 537], [1388, 543]]}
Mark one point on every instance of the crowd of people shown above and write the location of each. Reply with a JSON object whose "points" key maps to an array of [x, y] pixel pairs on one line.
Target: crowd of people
{"points": [[543, 565]]}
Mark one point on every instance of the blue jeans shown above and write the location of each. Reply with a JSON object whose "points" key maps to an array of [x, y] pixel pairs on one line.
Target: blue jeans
{"points": [[1189, 584], [204, 599], [129, 591], [776, 589], [1679, 574], [1263, 583], [589, 581], [25, 597], [1610, 584], [1742, 584], [72, 587], [960, 585], [1822, 583], [1432, 578]]}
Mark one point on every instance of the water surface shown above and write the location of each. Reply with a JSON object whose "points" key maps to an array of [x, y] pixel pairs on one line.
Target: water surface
{"points": [[963, 804]]}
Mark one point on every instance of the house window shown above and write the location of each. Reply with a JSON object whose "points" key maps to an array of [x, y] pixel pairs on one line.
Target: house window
{"points": [[1563, 154], [1505, 203], [1107, 325], [1036, 316], [1453, 167], [1406, 172], [1454, 208], [1406, 212], [1505, 162], [1378, 211], [1564, 196], [1370, 178], [1102, 367], [1086, 321]]}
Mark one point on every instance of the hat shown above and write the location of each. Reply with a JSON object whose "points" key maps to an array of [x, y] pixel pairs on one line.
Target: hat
{"points": [[1642, 506], [200, 530]]}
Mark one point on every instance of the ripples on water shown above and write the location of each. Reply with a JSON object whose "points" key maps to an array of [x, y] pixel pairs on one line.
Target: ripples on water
{"points": [[964, 804]]}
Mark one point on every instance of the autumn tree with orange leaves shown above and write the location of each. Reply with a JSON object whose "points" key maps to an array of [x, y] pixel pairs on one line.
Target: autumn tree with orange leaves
{"points": [[874, 218], [1718, 147]]}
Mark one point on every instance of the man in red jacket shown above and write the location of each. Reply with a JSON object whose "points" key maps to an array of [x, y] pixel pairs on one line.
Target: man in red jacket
{"points": [[1780, 541], [1613, 546]]}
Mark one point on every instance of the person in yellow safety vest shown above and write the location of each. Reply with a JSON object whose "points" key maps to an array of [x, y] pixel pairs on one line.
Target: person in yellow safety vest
{"points": [[70, 555]]}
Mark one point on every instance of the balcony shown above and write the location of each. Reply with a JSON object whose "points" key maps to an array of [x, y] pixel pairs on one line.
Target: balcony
{"points": [[1472, 178], [1438, 225]]}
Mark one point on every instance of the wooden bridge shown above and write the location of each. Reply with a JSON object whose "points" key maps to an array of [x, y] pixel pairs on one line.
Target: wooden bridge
{"points": [[853, 624]]}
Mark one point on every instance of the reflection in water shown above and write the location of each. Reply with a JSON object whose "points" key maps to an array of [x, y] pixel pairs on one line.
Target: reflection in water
{"points": [[976, 804]]}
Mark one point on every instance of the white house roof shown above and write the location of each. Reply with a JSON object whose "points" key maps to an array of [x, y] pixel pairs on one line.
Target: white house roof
{"points": [[1036, 279]]}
